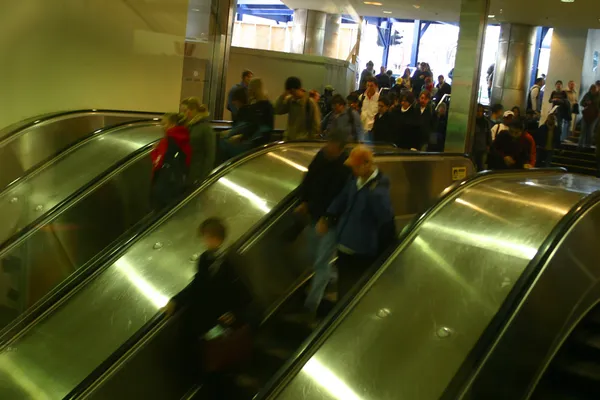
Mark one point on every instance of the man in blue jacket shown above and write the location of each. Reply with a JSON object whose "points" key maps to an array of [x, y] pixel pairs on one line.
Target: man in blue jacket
{"points": [[363, 218]]}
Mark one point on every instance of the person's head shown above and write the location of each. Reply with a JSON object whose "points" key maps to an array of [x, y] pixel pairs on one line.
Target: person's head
{"points": [[213, 233], [598, 84], [394, 100], [515, 127], [571, 85], [191, 107], [425, 67], [551, 120], [530, 114], [247, 76], [540, 82], [336, 143], [407, 100], [383, 105], [170, 120], [407, 73], [428, 81], [239, 97], [371, 86], [293, 86], [441, 79], [424, 98], [353, 102], [382, 70], [256, 91], [594, 89], [361, 161], [370, 65], [480, 110], [496, 111], [516, 112], [558, 85], [508, 117], [442, 110], [315, 95], [389, 73], [338, 103]]}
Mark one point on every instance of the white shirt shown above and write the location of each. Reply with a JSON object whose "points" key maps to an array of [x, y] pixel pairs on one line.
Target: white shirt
{"points": [[369, 111], [535, 92], [361, 182], [497, 129]]}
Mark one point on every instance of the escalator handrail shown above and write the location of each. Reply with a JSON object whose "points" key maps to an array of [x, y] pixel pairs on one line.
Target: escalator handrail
{"points": [[310, 345], [79, 142], [477, 357], [7, 333], [14, 129], [158, 321]]}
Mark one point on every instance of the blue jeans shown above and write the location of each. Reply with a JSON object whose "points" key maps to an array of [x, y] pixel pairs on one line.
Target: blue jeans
{"points": [[322, 250], [587, 132]]}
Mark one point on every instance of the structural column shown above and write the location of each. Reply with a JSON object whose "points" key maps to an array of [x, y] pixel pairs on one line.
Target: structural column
{"points": [[461, 117], [513, 65], [308, 33], [332, 33]]}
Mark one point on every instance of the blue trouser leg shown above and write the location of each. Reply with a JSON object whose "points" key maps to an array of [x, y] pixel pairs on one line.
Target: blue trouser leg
{"points": [[324, 248]]}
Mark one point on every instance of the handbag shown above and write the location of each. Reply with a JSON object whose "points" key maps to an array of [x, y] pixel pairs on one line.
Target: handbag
{"points": [[575, 108], [227, 351]]}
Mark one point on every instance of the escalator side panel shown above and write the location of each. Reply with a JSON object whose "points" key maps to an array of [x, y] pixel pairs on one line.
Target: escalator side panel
{"points": [[567, 287], [61, 350], [35, 144], [413, 325], [271, 266]]}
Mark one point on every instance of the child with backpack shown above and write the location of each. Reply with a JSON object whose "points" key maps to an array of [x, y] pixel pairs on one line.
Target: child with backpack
{"points": [[170, 161]]}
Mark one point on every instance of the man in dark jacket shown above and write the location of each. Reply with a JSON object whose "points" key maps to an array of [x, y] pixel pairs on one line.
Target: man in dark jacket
{"points": [[324, 180], [511, 149], [362, 217]]}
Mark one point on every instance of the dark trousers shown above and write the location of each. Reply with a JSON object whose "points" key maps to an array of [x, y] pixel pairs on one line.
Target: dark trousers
{"points": [[350, 269], [544, 157]]}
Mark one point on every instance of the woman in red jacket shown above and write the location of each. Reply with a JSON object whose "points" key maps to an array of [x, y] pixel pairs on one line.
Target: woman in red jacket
{"points": [[170, 161]]}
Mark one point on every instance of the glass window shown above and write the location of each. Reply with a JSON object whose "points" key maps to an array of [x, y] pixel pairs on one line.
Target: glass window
{"points": [[400, 54], [438, 48], [492, 37]]}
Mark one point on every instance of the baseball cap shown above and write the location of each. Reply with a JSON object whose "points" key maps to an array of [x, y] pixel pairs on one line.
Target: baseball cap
{"points": [[359, 155], [508, 114], [399, 81]]}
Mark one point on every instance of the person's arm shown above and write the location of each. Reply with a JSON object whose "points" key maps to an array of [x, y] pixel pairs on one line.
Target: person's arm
{"points": [[488, 137], [282, 104], [358, 127], [308, 177], [533, 152], [315, 130], [208, 140], [338, 205], [230, 105]]}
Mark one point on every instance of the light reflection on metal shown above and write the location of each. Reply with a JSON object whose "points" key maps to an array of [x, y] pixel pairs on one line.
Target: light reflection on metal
{"points": [[506, 195], [485, 241], [482, 211], [289, 162], [23, 379], [260, 203], [329, 381], [142, 285]]}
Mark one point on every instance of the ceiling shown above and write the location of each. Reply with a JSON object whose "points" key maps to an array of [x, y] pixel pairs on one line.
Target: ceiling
{"points": [[551, 13]]}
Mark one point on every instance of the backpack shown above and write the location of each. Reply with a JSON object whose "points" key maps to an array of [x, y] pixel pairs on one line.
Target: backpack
{"points": [[169, 180]]}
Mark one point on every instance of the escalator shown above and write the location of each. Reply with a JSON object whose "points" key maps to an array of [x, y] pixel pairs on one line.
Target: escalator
{"points": [[106, 336], [51, 235], [30, 143]]}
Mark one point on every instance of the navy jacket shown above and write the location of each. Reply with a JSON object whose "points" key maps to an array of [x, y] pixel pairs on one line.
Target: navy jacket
{"points": [[365, 219]]}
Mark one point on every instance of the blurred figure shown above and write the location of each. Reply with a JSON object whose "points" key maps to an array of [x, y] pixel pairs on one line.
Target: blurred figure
{"points": [[384, 129], [437, 139], [369, 100], [547, 139], [490, 80], [343, 119], [327, 174], [573, 97], [496, 113], [247, 75], [406, 75], [262, 111], [202, 139], [427, 119], [383, 79], [363, 217], [304, 118], [516, 112], [325, 101], [353, 102], [534, 98], [510, 149], [591, 113], [407, 121], [507, 118], [560, 99], [367, 73], [170, 161], [482, 139], [443, 88]]}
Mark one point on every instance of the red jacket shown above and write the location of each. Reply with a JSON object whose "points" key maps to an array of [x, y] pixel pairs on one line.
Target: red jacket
{"points": [[532, 151], [181, 136]]}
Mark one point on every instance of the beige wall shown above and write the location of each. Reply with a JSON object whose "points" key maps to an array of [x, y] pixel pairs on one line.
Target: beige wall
{"points": [[566, 61], [73, 54], [275, 67]]}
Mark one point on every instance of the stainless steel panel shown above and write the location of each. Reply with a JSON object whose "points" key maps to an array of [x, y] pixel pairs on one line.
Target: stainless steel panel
{"points": [[22, 151], [29, 199], [567, 286], [58, 352], [411, 328], [271, 267]]}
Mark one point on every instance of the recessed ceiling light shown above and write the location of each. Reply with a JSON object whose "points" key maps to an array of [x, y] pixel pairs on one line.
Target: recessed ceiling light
{"points": [[195, 9], [416, 6], [567, 1], [373, 3], [491, 16], [387, 12]]}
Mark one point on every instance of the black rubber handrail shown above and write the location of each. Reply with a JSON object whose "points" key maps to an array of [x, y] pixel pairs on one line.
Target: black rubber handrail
{"points": [[14, 129], [149, 327], [7, 333], [81, 140], [476, 357], [310, 345]]}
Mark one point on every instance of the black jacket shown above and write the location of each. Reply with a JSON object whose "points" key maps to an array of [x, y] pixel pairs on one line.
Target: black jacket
{"points": [[324, 180], [407, 123], [215, 290], [384, 128], [541, 136], [443, 89], [427, 123]]}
